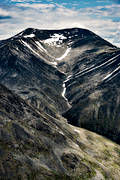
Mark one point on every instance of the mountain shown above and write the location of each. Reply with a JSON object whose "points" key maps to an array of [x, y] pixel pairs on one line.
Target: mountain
{"points": [[36, 64], [50, 79]]}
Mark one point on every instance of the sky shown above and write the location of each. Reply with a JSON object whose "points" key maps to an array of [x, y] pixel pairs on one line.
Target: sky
{"points": [[100, 16]]}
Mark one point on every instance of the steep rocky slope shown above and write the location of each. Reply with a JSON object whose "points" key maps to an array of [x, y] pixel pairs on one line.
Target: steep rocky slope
{"points": [[34, 145]]}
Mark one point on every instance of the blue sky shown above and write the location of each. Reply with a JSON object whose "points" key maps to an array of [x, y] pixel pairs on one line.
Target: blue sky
{"points": [[101, 17]]}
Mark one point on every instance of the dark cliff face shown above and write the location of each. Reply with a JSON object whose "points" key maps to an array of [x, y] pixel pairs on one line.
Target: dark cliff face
{"points": [[49, 77]]}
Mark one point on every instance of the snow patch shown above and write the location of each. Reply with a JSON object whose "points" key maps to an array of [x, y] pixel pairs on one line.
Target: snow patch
{"points": [[64, 55], [21, 34], [55, 39], [64, 90], [40, 46], [68, 78], [93, 67], [30, 35], [112, 74], [106, 77], [53, 63], [59, 36], [14, 75], [76, 130], [28, 46], [61, 132]]}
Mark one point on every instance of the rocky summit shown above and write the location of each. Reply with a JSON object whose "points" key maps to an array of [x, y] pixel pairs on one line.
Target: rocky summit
{"points": [[59, 92]]}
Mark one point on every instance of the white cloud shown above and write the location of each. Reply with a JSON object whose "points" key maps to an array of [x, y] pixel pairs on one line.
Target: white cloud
{"points": [[55, 16], [4, 12], [36, 5]]}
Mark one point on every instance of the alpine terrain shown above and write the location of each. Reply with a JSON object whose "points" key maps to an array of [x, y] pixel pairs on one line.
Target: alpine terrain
{"points": [[58, 88]]}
